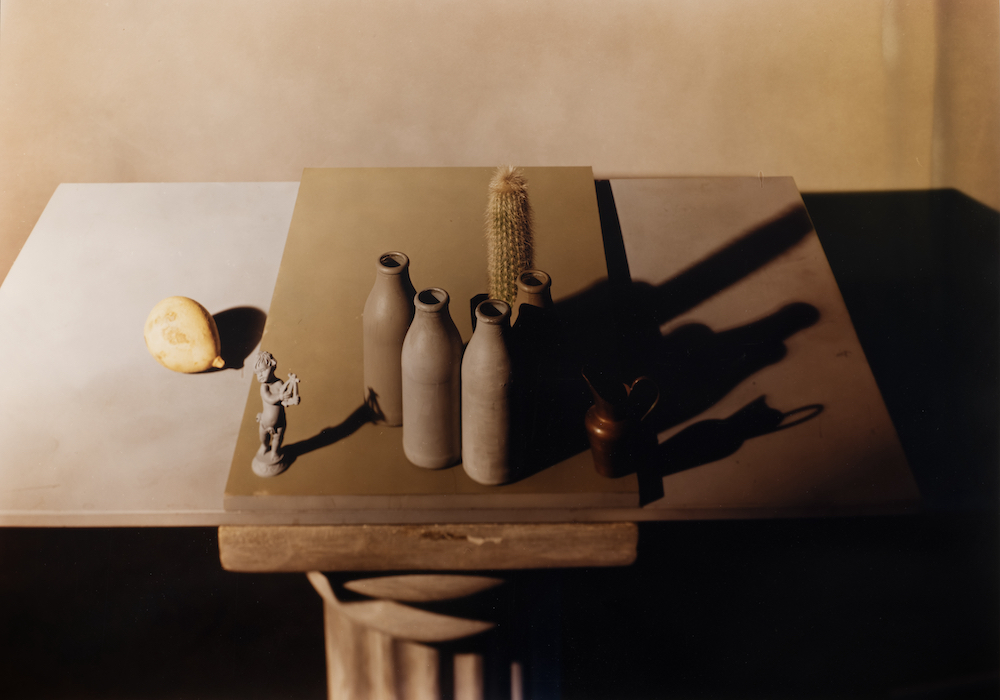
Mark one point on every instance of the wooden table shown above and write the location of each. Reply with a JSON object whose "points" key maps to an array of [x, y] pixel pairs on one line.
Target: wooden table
{"points": [[728, 271]]}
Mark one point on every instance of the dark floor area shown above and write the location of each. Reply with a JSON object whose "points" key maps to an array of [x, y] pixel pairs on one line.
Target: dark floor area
{"points": [[839, 608], [895, 607], [901, 607]]}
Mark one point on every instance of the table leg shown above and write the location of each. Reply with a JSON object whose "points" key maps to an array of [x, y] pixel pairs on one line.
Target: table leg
{"points": [[364, 662], [469, 677], [361, 663]]}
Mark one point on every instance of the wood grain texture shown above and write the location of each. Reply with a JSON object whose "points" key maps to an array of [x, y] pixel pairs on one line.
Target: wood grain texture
{"points": [[467, 547]]}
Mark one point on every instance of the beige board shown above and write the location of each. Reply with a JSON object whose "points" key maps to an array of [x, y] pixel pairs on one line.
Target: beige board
{"points": [[97, 433], [343, 220], [720, 255]]}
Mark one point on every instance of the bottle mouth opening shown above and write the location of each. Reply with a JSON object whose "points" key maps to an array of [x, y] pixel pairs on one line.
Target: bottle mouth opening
{"points": [[533, 280], [392, 263], [493, 311], [431, 299]]}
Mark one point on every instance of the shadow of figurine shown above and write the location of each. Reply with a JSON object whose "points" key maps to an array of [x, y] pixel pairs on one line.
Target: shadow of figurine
{"points": [[240, 329], [327, 436]]}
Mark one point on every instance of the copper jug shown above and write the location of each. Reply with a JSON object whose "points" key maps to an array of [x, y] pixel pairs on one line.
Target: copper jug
{"points": [[619, 440]]}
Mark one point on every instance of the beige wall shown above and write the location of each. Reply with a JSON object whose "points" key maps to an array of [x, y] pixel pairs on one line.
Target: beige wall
{"points": [[840, 94], [967, 99]]}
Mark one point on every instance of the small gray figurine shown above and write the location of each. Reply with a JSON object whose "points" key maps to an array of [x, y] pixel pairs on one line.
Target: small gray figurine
{"points": [[276, 394]]}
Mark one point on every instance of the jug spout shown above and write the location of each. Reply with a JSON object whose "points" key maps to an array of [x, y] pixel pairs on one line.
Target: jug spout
{"points": [[610, 396]]}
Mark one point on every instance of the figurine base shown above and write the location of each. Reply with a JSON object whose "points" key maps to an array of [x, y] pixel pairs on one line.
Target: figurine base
{"points": [[262, 466]]}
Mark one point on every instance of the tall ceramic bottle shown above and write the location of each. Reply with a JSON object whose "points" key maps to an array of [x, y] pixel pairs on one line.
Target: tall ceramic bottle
{"points": [[432, 389], [387, 315], [487, 397]]}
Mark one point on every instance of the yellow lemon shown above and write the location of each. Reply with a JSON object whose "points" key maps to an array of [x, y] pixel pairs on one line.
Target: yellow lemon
{"points": [[181, 335]]}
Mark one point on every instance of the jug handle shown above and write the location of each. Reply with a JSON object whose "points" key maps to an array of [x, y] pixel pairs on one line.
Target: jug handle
{"points": [[655, 400]]}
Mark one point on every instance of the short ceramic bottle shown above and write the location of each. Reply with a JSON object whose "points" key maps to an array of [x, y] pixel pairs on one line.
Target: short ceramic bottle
{"points": [[487, 397], [536, 358], [534, 288], [387, 315], [432, 389]]}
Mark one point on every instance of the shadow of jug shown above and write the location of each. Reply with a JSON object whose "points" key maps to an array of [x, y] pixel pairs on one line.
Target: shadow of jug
{"points": [[620, 441]]}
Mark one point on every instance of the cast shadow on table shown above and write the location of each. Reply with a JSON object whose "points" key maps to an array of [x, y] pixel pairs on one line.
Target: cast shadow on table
{"points": [[920, 275], [615, 326], [713, 439], [737, 259], [327, 436], [716, 438], [240, 329], [694, 367]]}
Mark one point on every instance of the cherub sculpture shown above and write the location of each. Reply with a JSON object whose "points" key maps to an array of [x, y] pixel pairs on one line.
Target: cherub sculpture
{"points": [[275, 394]]}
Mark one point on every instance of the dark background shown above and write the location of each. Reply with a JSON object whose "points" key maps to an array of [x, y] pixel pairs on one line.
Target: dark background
{"points": [[874, 607]]}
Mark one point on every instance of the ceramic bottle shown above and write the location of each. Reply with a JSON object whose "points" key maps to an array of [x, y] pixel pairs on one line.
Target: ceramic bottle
{"points": [[432, 390], [534, 330], [534, 288], [487, 397], [387, 316]]}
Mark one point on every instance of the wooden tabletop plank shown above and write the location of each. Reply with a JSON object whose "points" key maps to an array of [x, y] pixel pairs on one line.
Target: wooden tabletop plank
{"points": [[458, 547]]}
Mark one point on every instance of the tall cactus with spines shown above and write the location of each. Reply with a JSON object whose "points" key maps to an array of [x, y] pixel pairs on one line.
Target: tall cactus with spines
{"points": [[508, 232]]}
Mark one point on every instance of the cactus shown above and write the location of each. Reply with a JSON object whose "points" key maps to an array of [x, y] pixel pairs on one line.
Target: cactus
{"points": [[508, 232]]}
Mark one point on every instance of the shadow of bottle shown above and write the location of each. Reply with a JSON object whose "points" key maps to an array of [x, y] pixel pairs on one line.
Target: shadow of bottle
{"points": [[695, 367]]}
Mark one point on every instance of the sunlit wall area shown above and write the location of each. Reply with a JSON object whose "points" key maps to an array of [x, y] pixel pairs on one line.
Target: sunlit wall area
{"points": [[842, 95], [967, 100]]}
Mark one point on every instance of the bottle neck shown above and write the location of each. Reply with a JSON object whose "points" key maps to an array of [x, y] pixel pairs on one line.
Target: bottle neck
{"points": [[492, 330], [395, 280], [438, 317]]}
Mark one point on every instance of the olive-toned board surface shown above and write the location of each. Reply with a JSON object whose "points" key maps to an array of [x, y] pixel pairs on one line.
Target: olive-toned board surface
{"points": [[343, 220]]}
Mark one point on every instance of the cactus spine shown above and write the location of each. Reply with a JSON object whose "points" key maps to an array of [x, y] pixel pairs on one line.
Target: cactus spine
{"points": [[508, 232]]}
